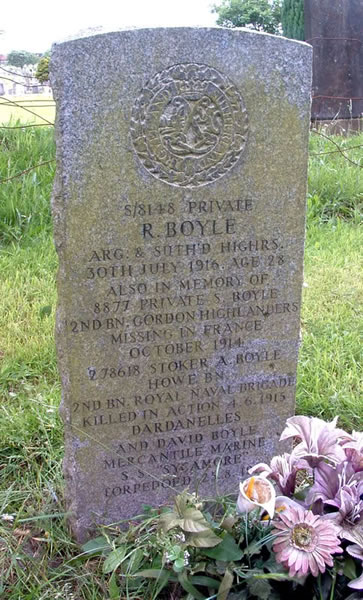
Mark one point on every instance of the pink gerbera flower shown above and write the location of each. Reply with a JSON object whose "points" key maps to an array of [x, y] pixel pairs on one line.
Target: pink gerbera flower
{"points": [[305, 542]]}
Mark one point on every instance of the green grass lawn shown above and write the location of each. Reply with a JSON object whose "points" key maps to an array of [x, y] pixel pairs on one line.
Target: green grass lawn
{"points": [[14, 108], [38, 559], [330, 366]]}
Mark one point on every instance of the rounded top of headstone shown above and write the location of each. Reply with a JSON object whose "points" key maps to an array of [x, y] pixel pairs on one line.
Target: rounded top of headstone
{"points": [[93, 32]]}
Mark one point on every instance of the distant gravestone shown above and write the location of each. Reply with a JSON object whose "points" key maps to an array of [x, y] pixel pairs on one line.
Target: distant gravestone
{"points": [[178, 211], [334, 29]]}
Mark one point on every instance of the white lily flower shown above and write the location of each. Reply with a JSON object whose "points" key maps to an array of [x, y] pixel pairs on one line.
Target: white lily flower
{"points": [[256, 491]]}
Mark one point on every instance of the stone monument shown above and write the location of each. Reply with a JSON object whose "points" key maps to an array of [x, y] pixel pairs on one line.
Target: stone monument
{"points": [[178, 211], [334, 29]]}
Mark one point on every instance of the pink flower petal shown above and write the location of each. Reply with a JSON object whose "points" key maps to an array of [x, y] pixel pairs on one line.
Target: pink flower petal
{"points": [[305, 564], [280, 546], [286, 518], [357, 584], [299, 561], [355, 551], [285, 554], [313, 565], [293, 554], [279, 526], [262, 468], [320, 561]]}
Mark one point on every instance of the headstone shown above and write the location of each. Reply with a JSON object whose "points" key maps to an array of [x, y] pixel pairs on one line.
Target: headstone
{"points": [[334, 29], [179, 223]]}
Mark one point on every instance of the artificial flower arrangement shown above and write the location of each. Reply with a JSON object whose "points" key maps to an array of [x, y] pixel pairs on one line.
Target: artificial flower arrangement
{"points": [[297, 530]]}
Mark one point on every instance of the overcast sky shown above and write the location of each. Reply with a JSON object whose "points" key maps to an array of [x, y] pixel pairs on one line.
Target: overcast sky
{"points": [[34, 25]]}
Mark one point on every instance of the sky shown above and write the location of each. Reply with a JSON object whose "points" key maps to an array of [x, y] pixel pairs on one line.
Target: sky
{"points": [[33, 25]]}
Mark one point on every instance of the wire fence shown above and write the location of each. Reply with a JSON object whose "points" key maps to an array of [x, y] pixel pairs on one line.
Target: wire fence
{"points": [[20, 104]]}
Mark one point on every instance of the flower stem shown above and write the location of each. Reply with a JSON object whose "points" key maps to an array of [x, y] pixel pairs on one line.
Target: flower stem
{"points": [[334, 577], [320, 590]]}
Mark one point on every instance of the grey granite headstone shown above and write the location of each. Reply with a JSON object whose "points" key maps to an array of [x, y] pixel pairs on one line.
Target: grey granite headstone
{"points": [[178, 211]]}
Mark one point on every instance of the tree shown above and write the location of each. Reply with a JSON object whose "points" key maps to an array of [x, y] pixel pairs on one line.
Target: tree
{"points": [[42, 72], [19, 58], [261, 15], [292, 17]]}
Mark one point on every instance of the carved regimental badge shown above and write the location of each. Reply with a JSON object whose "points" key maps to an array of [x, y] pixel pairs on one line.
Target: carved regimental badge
{"points": [[189, 125]]}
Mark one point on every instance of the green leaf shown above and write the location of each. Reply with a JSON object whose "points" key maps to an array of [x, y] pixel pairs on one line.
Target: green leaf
{"points": [[277, 572], [175, 552], [198, 567], [179, 565], [193, 521], [228, 523], [205, 581], [253, 548], [114, 559], [203, 539], [98, 544], [113, 588], [349, 568], [225, 586], [135, 561], [151, 573], [189, 587], [260, 588], [169, 521], [228, 550], [277, 577]]}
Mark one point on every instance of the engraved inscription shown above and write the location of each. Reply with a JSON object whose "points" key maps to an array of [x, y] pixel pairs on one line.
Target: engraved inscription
{"points": [[189, 125], [191, 314]]}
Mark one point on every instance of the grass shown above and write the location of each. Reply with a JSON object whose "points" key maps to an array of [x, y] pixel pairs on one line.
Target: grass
{"points": [[38, 559], [335, 183], [43, 106], [24, 201], [330, 357]]}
